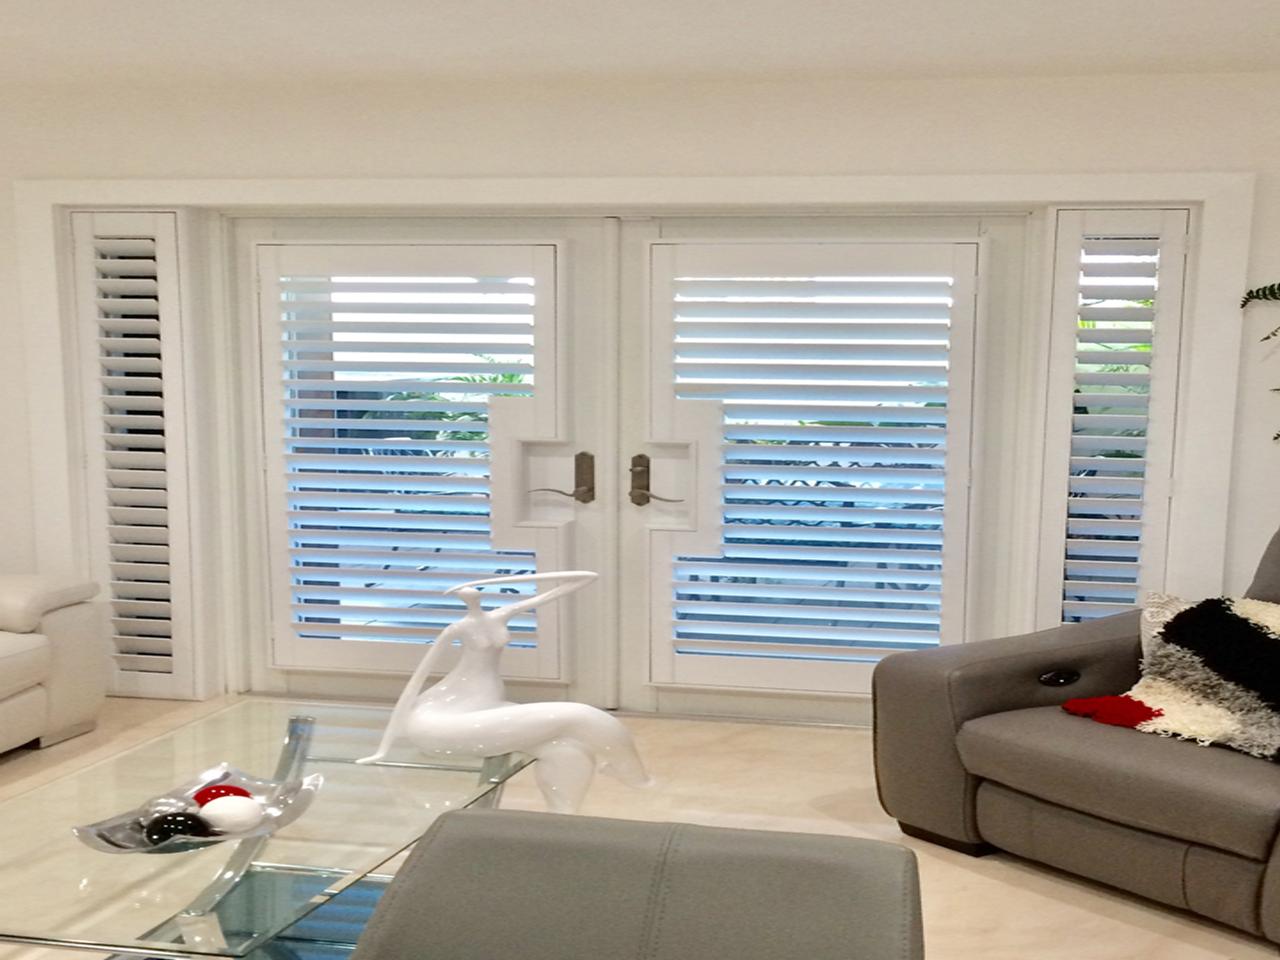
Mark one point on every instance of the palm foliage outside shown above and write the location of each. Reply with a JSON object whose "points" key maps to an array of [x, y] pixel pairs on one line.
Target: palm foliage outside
{"points": [[1269, 292]]}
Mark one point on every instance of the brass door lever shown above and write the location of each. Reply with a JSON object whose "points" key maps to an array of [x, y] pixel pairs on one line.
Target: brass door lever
{"points": [[584, 479], [640, 495]]}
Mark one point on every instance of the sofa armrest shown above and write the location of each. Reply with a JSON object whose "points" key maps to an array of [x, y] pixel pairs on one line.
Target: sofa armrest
{"points": [[922, 698], [80, 665], [25, 598]]}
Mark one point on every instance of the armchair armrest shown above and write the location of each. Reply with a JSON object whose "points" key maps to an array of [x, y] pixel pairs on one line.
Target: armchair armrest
{"points": [[25, 599], [922, 698]]}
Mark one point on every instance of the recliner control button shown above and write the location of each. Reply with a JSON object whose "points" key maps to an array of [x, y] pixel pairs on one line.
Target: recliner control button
{"points": [[1059, 678]]}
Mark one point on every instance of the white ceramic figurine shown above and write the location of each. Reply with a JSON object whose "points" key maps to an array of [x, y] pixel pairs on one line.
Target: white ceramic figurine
{"points": [[467, 712]]}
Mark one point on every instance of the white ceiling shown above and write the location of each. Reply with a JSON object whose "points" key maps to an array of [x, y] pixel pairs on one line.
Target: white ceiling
{"points": [[197, 41]]}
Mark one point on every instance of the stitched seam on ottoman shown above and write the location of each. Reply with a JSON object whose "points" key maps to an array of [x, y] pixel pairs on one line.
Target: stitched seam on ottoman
{"points": [[904, 920], [656, 904]]}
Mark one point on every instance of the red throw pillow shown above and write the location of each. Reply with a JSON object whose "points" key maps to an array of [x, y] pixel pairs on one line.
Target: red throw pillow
{"points": [[1121, 711]]}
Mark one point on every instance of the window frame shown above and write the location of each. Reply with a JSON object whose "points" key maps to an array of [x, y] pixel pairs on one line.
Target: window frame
{"points": [[1171, 228], [177, 672]]}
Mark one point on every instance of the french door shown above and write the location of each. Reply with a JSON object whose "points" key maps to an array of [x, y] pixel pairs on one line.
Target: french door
{"points": [[418, 387], [808, 409], [761, 442]]}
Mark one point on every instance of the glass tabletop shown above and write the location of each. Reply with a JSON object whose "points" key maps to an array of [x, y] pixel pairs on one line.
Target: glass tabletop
{"points": [[228, 898]]}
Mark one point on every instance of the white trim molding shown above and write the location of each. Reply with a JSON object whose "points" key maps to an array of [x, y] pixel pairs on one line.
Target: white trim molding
{"points": [[619, 195]]}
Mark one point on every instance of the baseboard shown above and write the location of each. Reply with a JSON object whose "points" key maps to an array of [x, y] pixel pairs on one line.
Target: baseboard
{"points": [[66, 733]]}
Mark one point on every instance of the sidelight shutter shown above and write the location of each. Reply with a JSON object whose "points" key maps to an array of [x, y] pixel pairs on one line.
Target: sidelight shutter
{"points": [[379, 417], [1117, 318], [844, 373], [128, 317]]}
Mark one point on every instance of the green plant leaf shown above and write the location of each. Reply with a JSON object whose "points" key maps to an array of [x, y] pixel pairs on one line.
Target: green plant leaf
{"points": [[1269, 292]]}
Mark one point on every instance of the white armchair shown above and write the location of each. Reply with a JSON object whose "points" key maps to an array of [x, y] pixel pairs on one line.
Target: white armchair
{"points": [[53, 659]]}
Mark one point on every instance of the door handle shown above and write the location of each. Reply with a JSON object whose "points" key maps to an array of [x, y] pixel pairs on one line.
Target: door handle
{"points": [[640, 494], [584, 479]]}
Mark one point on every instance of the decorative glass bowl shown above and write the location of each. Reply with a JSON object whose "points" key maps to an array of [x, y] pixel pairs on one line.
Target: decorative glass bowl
{"points": [[282, 803]]}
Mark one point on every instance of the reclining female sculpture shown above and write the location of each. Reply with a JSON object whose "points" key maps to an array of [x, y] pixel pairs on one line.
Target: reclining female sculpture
{"points": [[467, 712]]}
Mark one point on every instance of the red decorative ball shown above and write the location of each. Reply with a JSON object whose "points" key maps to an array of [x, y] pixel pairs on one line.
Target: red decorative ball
{"points": [[219, 790]]}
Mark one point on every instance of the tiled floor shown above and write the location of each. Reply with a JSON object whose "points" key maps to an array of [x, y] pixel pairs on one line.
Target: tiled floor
{"points": [[808, 779]]}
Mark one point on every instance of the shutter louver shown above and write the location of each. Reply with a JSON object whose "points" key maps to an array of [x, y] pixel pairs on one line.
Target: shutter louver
{"points": [[1124, 333], [837, 396], [387, 382], [129, 345]]}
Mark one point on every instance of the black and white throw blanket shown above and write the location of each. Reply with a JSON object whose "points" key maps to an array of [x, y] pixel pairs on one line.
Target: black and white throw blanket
{"points": [[1211, 674]]}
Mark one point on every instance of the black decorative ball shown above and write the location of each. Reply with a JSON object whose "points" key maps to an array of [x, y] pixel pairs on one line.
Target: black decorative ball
{"points": [[168, 825]]}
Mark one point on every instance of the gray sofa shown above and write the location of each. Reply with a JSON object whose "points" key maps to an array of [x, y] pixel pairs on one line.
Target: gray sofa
{"points": [[973, 751]]}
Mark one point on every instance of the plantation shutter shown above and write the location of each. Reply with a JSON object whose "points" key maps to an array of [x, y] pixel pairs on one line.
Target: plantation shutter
{"points": [[382, 365], [844, 372], [129, 319], [1117, 316]]}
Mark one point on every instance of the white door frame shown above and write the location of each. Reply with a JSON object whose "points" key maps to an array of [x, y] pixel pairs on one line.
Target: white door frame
{"points": [[1222, 202]]}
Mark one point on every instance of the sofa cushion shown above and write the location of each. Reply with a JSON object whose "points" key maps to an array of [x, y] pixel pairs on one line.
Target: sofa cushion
{"points": [[24, 661], [1206, 795]]}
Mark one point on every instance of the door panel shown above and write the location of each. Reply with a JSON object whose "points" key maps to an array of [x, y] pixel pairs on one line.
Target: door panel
{"points": [[841, 378], [382, 365]]}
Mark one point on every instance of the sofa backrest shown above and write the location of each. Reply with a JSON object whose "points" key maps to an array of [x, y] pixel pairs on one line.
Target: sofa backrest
{"points": [[1266, 582]]}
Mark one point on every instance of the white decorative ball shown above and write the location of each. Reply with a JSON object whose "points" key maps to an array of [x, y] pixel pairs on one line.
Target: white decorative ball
{"points": [[233, 814]]}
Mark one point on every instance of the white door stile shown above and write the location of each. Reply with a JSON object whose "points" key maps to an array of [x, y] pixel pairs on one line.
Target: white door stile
{"points": [[962, 351], [638, 562], [1010, 391], [1058, 428], [1167, 343]]}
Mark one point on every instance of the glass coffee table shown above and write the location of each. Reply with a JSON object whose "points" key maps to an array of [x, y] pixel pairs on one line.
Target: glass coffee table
{"points": [[301, 891]]}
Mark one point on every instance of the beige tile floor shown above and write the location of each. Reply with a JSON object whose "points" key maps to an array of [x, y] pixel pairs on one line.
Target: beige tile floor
{"points": [[807, 779]]}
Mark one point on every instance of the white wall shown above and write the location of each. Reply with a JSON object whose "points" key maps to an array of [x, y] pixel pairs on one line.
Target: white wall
{"points": [[1113, 124]]}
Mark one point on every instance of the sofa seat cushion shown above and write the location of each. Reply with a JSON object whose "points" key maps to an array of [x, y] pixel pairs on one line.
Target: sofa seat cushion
{"points": [[24, 661], [1205, 795]]}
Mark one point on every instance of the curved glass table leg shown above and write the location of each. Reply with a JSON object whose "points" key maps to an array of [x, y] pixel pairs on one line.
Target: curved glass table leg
{"points": [[198, 925]]}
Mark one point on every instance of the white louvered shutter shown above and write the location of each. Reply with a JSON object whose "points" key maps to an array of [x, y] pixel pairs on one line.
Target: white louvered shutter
{"points": [[1117, 317], [129, 319], [845, 376], [381, 366]]}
